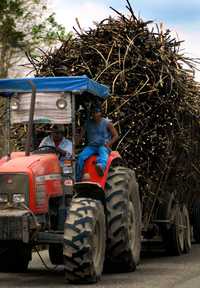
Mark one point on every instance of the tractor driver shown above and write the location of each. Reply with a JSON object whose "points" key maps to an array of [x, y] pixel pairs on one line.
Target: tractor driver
{"points": [[57, 140], [100, 135]]}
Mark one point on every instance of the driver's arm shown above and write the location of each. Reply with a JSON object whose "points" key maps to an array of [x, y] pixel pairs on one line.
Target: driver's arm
{"points": [[44, 142], [114, 135], [65, 149], [61, 151]]}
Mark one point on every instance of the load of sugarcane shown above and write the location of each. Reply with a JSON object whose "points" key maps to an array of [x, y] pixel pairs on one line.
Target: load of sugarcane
{"points": [[154, 103]]}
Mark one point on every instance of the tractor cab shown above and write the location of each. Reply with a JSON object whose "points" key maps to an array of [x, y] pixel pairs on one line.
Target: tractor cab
{"points": [[42, 103], [40, 200]]}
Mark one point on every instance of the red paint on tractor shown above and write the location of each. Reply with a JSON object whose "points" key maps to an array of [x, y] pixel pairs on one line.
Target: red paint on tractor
{"points": [[91, 169], [42, 170]]}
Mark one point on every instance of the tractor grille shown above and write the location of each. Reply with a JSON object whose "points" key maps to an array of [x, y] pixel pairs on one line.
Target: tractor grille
{"points": [[13, 227], [11, 184]]}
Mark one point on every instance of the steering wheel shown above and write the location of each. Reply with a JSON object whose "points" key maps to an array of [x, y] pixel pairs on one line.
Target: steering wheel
{"points": [[45, 149]]}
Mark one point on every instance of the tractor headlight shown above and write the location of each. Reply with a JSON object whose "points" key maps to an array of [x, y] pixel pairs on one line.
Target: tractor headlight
{"points": [[67, 167], [14, 105], [67, 170], [18, 198], [61, 103], [14, 188], [3, 198]]}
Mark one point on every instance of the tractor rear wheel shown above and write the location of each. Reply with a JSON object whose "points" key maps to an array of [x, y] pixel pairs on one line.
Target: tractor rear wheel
{"points": [[14, 257], [123, 212], [84, 241]]}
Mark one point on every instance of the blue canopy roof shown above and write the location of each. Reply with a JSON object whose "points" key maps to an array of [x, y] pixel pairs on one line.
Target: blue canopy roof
{"points": [[54, 84]]}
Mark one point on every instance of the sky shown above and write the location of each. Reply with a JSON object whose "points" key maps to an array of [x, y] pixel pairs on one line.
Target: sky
{"points": [[182, 17]]}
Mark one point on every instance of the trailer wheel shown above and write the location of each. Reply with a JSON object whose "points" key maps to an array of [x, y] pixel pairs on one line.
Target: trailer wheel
{"points": [[14, 257], [187, 230], [175, 241], [196, 220], [123, 213], [56, 254], [84, 241]]}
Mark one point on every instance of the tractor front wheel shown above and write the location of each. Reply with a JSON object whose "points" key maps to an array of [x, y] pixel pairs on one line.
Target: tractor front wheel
{"points": [[56, 254], [84, 241]]}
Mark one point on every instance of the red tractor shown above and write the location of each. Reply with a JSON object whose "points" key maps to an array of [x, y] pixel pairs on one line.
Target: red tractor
{"points": [[88, 225]]}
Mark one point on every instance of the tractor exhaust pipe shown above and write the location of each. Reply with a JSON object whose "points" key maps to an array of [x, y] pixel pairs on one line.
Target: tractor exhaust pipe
{"points": [[31, 118]]}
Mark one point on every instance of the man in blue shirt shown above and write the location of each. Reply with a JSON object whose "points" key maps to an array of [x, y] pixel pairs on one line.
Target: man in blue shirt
{"points": [[100, 135], [63, 146]]}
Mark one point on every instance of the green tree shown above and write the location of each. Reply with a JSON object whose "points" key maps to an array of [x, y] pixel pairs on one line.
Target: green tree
{"points": [[24, 26]]}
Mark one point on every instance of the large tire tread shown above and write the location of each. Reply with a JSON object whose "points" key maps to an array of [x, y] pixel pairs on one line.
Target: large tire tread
{"points": [[78, 245], [121, 189]]}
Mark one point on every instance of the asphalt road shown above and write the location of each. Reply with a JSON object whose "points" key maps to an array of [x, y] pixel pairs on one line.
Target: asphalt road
{"points": [[155, 271]]}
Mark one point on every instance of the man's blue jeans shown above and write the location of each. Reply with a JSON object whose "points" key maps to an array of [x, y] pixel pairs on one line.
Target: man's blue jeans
{"points": [[102, 153]]}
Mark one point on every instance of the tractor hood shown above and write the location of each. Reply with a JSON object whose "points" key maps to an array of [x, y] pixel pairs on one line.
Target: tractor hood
{"points": [[39, 164]]}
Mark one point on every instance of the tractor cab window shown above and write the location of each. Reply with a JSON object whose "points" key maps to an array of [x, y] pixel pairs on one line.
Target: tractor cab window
{"points": [[54, 140]]}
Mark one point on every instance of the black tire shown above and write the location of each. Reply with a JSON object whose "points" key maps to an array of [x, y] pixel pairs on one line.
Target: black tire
{"points": [[14, 257], [84, 241], [123, 212], [196, 220], [175, 235], [56, 254], [187, 230]]}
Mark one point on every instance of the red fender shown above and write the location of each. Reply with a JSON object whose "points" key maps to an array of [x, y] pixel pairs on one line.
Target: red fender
{"points": [[90, 169]]}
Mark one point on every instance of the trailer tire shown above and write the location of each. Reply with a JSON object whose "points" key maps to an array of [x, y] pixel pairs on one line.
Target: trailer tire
{"points": [[123, 212], [196, 220], [175, 241], [84, 241], [187, 231]]}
